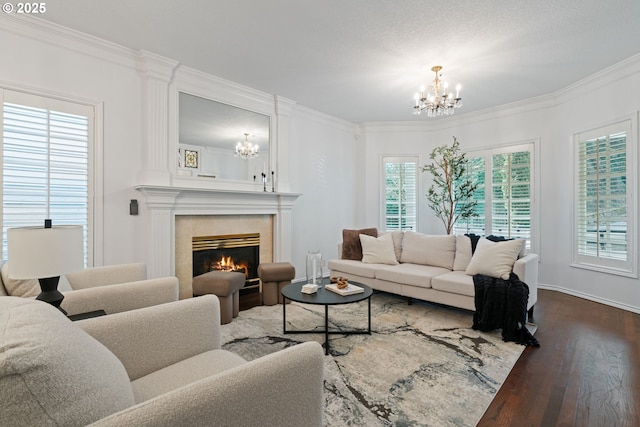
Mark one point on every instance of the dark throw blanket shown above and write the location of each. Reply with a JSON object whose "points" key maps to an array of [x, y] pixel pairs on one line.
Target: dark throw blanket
{"points": [[502, 304]]}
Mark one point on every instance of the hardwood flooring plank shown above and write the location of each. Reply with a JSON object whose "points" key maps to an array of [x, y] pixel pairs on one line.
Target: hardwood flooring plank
{"points": [[586, 372]]}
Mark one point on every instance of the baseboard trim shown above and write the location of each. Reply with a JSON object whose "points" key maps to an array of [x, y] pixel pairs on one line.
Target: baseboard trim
{"points": [[590, 297]]}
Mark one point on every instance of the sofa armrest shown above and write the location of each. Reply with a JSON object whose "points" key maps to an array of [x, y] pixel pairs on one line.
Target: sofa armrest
{"points": [[122, 297], [283, 388], [527, 270], [107, 275], [153, 338]]}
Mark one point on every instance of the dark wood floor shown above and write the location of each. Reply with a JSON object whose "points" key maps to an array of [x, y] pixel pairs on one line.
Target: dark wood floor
{"points": [[586, 372]]}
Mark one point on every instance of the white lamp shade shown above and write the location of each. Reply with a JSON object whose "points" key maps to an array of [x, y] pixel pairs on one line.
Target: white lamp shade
{"points": [[38, 252]]}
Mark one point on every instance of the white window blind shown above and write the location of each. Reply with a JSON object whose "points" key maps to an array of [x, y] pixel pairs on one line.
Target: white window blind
{"points": [[604, 199], [400, 193], [504, 176], [475, 224], [510, 199], [45, 160]]}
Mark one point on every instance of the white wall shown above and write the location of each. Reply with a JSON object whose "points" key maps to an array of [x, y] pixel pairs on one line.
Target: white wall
{"points": [[323, 166], [549, 121]]}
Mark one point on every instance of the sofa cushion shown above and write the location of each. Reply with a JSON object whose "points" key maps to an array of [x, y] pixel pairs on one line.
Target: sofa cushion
{"points": [[438, 251], [184, 372], [456, 282], [378, 250], [351, 246], [357, 268], [494, 259], [463, 253], [410, 274], [52, 372], [19, 287]]}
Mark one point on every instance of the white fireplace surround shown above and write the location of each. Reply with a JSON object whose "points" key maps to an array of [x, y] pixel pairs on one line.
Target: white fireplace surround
{"points": [[165, 203]]}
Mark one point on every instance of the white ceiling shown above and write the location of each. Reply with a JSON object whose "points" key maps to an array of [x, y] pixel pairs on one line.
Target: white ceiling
{"points": [[363, 60]]}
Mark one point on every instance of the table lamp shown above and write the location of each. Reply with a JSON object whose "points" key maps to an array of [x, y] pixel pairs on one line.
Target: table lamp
{"points": [[44, 253]]}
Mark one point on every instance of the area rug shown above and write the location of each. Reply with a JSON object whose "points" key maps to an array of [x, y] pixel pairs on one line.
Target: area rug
{"points": [[422, 365]]}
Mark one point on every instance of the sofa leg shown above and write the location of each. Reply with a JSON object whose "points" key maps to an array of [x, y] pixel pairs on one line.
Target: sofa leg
{"points": [[530, 313], [409, 300]]}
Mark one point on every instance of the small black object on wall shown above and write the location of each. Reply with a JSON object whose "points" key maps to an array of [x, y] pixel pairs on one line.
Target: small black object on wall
{"points": [[133, 207]]}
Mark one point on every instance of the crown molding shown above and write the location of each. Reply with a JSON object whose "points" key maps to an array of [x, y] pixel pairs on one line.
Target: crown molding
{"points": [[603, 78], [326, 119], [76, 41]]}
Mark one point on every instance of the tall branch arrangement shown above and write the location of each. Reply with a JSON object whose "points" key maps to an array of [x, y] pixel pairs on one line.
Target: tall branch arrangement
{"points": [[450, 196]]}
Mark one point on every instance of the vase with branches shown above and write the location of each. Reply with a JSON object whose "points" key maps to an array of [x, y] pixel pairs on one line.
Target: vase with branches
{"points": [[450, 196]]}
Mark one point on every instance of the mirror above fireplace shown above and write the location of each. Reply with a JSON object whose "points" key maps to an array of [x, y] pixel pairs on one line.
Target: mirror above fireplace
{"points": [[208, 134]]}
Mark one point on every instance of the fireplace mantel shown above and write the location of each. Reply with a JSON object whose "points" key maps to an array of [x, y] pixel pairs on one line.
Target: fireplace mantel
{"points": [[164, 203]]}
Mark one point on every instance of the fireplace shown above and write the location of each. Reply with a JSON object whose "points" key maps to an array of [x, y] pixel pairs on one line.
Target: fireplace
{"points": [[233, 252]]}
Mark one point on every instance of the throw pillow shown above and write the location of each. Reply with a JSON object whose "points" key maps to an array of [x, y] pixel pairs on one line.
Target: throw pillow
{"points": [[463, 253], [19, 287], [351, 246], [53, 372], [424, 249], [494, 259], [378, 250], [396, 236]]}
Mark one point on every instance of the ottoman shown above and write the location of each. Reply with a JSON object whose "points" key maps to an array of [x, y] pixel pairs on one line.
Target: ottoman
{"points": [[226, 286], [274, 277]]}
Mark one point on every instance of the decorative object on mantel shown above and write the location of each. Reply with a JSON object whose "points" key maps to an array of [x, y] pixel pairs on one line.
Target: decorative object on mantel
{"points": [[438, 100], [264, 181], [245, 149], [273, 182], [191, 159], [451, 193]]}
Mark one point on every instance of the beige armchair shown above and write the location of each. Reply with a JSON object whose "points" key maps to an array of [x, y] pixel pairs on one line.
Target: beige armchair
{"points": [[113, 288], [156, 366]]}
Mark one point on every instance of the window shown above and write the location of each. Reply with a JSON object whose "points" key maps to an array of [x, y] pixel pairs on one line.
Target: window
{"points": [[400, 193], [45, 163], [604, 195], [504, 177]]}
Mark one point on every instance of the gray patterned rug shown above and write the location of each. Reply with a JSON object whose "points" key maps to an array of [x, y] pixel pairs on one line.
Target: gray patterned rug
{"points": [[422, 365]]}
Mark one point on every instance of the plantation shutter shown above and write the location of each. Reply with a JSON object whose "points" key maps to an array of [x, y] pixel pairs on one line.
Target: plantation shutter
{"points": [[602, 198], [475, 224], [45, 160], [510, 198], [400, 193]]}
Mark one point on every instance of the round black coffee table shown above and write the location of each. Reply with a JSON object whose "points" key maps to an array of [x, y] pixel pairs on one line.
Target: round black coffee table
{"points": [[324, 297]]}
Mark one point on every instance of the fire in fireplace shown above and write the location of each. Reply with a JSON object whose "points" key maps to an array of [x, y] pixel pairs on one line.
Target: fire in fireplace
{"points": [[234, 252]]}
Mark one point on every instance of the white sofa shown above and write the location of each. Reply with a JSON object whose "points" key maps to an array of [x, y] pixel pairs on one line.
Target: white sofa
{"points": [[112, 288], [434, 268]]}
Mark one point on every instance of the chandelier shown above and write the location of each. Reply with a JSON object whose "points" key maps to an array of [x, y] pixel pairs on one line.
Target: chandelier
{"points": [[245, 149], [438, 100]]}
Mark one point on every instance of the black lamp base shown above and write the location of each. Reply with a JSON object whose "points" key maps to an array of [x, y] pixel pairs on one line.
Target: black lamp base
{"points": [[50, 293]]}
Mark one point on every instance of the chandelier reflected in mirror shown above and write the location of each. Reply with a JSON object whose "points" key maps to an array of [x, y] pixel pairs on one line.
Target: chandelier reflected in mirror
{"points": [[245, 149], [437, 99]]}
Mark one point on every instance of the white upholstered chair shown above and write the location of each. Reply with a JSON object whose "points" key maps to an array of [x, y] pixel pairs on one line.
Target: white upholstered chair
{"points": [[112, 288], [155, 366]]}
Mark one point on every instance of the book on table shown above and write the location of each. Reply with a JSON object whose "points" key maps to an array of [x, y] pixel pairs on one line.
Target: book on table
{"points": [[349, 290]]}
